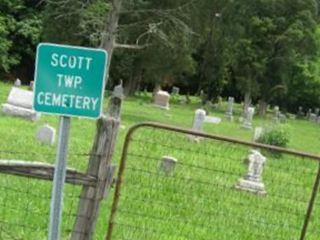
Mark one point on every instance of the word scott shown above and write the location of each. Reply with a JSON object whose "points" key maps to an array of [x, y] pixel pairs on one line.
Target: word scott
{"points": [[65, 61]]}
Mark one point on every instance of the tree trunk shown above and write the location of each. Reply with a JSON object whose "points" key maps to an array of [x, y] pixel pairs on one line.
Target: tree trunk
{"points": [[131, 86], [110, 33], [263, 105]]}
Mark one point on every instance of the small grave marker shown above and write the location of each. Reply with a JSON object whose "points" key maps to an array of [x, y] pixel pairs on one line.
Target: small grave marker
{"points": [[46, 134], [161, 99], [17, 82], [167, 164]]}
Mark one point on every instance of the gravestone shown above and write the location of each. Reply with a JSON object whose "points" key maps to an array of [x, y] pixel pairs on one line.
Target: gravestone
{"points": [[31, 85], [252, 181], [247, 121], [276, 116], [258, 132], [19, 104], [318, 119], [313, 117], [229, 113], [161, 99], [199, 118], [198, 121], [309, 113], [317, 111], [46, 134], [175, 91], [203, 97], [17, 82], [300, 113], [214, 120], [282, 118], [167, 165]]}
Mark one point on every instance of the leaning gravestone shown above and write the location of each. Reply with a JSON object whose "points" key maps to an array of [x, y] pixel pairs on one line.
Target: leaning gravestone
{"points": [[19, 104], [17, 82], [46, 134], [229, 113], [252, 181], [161, 99], [247, 121], [167, 164]]}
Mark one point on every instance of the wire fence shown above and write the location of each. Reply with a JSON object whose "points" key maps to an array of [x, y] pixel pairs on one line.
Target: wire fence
{"points": [[25, 201], [198, 195]]}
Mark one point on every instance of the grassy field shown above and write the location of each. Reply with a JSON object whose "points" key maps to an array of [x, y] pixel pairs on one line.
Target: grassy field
{"points": [[197, 202]]}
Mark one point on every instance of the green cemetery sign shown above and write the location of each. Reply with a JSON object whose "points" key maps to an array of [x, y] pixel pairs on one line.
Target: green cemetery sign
{"points": [[69, 81]]}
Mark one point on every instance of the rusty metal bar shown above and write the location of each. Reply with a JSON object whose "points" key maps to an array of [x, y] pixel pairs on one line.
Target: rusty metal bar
{"points": [[200, 134], [310, 206], [119, 181]]}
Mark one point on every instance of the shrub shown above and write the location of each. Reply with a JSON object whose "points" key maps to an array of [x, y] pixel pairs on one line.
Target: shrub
{"points": [[277, 136]]}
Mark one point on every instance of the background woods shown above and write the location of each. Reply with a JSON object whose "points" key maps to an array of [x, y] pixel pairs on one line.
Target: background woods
{"points": [[264, 51]]}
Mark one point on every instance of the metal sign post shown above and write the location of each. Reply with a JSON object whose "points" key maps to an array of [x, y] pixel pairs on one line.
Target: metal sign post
{"points": [[59, 179], [69, 81]]}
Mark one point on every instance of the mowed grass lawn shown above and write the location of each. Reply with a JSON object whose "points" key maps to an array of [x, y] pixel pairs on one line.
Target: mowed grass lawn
{"points": [[198, 201]]}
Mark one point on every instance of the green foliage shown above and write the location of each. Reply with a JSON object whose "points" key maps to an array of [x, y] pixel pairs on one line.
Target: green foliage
{"points": [[20, 29], [276, 136]]}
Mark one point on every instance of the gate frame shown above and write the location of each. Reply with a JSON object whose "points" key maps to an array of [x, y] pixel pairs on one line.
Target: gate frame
{"points": [[169, 128]]}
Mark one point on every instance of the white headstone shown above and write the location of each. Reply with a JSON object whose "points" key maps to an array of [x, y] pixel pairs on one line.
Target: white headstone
{"points": [[175, 91], [198, 121], [161, 99], [229, 113], [247, 121], [214, 120], [276, 112], [17, 82], [258, 131], [46, 134], [252, 181], [167, 164], [20, 98], [19, 104]]}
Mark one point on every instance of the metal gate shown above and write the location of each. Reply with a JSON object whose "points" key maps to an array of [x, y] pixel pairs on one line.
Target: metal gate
{"points": [[176, 184]]}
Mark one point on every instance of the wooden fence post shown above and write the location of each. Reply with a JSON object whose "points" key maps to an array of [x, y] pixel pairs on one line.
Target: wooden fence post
{"points": [[100, 168]]}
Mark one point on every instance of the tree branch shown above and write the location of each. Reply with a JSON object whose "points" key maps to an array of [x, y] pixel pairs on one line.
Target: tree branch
{"points": [[131, 46]]}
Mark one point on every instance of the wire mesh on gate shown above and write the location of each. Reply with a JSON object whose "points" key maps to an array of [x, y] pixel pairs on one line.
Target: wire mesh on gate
{"points": [[198, 198], [25, 202]]}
